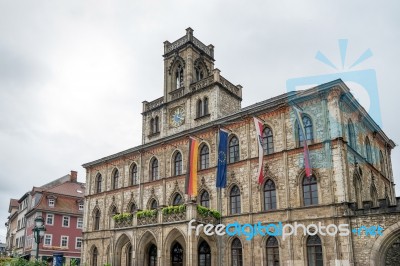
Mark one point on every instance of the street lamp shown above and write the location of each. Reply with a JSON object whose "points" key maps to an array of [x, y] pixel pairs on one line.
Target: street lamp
{"points": [[38, 233]]}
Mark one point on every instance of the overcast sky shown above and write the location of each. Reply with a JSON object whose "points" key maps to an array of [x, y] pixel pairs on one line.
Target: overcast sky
{"points": [[73, 74]]}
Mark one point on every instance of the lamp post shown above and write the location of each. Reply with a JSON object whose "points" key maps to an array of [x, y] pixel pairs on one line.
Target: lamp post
{"points": [[38, 233]]}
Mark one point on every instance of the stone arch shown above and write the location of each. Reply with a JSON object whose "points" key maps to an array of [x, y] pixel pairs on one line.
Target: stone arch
{"points": [[120, 250], [172, 162], [150, 201], [174, 236], [382, 244], [143, 245], [212, 242], [94, 255]]}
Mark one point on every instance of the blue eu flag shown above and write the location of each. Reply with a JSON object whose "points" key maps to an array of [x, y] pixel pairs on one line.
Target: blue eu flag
{"points": [[222, 150]]}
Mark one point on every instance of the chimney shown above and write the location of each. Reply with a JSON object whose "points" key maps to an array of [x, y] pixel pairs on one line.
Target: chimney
{"points": [[74, 176]]}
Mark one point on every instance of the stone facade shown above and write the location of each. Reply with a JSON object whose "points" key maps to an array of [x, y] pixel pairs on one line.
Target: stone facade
{"points": [[352, 187]]}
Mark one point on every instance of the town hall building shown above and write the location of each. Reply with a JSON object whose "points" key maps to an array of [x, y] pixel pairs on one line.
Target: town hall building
{"points": [[137, 212]]}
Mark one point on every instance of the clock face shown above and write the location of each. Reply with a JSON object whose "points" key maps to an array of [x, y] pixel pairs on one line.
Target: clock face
{"points": [[177, 116]]}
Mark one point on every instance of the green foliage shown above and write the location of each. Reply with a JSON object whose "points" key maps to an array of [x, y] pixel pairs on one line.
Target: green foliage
{"points": [[122, 217], [20, 262], [174, 209], [107, 264], [206, 212], [146, 213], [74, 262]]}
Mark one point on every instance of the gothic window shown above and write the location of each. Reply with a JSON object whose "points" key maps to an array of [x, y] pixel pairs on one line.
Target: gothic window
{"points": [[314, 251], [205, 199], [357, 188], [177, 200], [95, 254], [178, 164], [236, 253], [374, 196], [235, 200], [204, 254], [205, 106], [199, 108], [114, 211], [177, 255], [204, 157], [269, 195], [272, 251], [199, 71], [153, 255], [310, 191], [99, 180], [153, 204], [268, 141], [352, 135], [233, 150], [154, 169], [392, 256], [115, 179], [307, 129], [382, 163], [179, 76], [134, 175], [152, 126], [132, 208], [96, 220], [157, 125], [368, 151], [129, 256]]}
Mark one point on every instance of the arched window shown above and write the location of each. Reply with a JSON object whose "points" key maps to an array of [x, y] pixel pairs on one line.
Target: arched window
{"points": [[96, 222], [129, 256], [314, 251], [269, 195], [95, 254], [153, 255], [368, 151], [177, 200], [178, 164], [272, 251], [205, 199], [235, 200], [179, 76], [199, 108], [382, 163], [113, 211], [310, 191], [154, 169], [99, 180], [152, 126], [133, 208], [236, 253], [268, 141], [204, 254], [205, 106], [308, 129], [199, 71], [374, 196], [352, 135], [233, 150], [177, 255], [153, 205], [115, 179], [204, 157], [134, 175], [157, 125]]}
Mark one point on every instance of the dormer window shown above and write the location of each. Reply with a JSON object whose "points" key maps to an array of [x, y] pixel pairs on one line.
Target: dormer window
{"points": [[179, 76], [51, 202], [80, 206]]}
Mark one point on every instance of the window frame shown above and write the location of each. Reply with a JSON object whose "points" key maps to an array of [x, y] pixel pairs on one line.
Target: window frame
{"points": [[79, 220], [61, 241], [77, 241], [178, 163], [51, 202], [154, 166], [51, 240], [311, 247], [239, 256], [268, 140], [269, 193], [204, 157], [63, 221], [272, 250], [312, 183], [308, 129], [52, 218], [115, 179], [234, 150], [134, 174], [96, 222], [207, 200], [99, 182], [235, 199]]}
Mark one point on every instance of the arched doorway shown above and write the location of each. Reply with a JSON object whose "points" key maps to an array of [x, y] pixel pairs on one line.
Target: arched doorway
{"points": [[386, 248], [176, 255], [392, 256], [121, 251]]}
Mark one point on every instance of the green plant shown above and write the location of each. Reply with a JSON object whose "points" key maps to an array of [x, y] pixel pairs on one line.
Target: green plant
{"points": [[206, 212], [146, 213], [122, 217], [174, 209]]}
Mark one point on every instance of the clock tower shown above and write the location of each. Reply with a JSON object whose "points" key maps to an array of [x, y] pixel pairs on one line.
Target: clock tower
{"points": [[194, 91]]}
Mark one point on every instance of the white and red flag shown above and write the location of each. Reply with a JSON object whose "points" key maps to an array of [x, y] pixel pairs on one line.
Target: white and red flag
{"points": [[259, 128], [306, 154]]}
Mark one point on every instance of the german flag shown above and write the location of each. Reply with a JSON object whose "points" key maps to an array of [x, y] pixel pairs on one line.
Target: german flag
{"points": [[191, 173]]}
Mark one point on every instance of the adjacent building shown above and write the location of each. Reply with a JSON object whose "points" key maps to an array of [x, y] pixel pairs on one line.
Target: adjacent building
{"points": [[61, 205], [11, 225], [137, 213]]}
